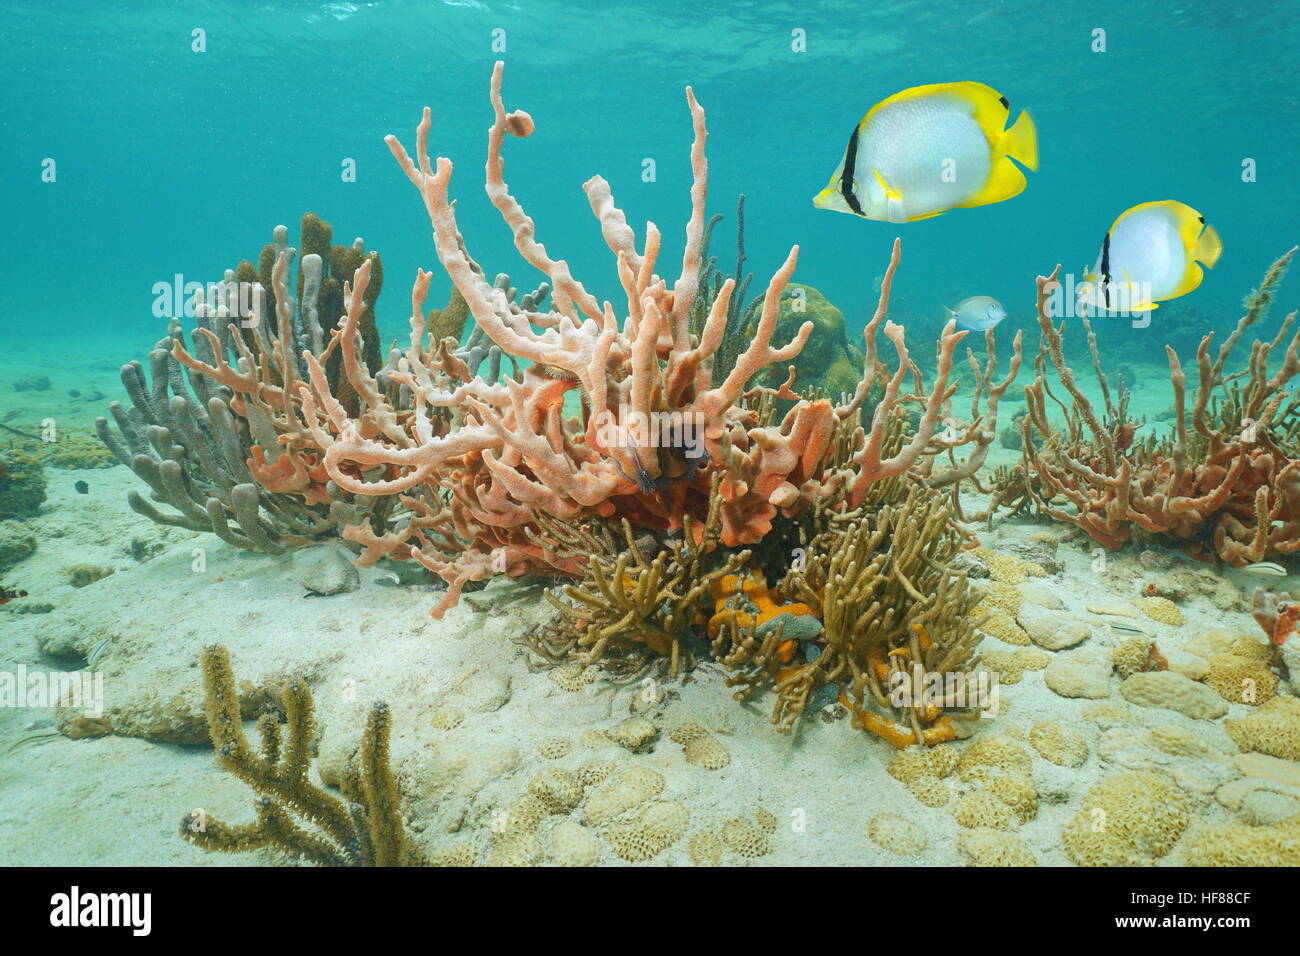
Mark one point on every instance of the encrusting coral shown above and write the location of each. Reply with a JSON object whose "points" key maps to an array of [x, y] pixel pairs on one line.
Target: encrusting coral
{"points": [[1129, 819], [364, 829], [1273, 728]]}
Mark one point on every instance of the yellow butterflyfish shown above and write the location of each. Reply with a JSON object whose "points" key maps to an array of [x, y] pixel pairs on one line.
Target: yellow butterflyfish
{"points": [[1153, 253], [929, 149]]}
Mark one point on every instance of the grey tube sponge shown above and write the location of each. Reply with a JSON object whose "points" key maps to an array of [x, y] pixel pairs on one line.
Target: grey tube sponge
{"points": [[311, 336], [190, 439], [180, 438]]}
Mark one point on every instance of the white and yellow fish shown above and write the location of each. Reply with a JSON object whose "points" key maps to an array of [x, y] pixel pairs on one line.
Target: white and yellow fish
{"points": [[1153, 253], [929, 149]]}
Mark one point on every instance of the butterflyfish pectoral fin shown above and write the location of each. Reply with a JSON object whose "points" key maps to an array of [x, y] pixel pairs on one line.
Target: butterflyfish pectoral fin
{"points": [[889, 191], [894, 210]]}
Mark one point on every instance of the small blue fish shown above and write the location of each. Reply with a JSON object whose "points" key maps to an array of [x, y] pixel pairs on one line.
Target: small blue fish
{"points": [[979, 313]]}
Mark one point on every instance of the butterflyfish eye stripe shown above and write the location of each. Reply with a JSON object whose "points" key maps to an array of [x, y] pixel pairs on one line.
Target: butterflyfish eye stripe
{"points": [[846, 178]]}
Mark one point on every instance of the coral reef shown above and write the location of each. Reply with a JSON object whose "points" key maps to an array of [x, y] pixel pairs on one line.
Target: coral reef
{"points": [[366, 830], [657, 441], [700, 476], [1228, 487], [642, 460]]}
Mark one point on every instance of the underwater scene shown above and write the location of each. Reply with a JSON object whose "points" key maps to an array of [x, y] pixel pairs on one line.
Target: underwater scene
{"points": [[473, 433]]}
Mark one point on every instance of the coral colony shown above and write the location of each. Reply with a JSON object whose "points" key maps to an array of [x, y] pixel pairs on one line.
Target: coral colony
{"points": [[1227, 490], [629, 454]]}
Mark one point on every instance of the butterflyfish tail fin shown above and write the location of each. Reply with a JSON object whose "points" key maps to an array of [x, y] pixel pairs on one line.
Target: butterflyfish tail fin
{"points": [[1208, 248], [1020, 142]]}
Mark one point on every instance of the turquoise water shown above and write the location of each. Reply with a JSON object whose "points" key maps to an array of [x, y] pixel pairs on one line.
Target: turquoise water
{"points": [[171, 161]]}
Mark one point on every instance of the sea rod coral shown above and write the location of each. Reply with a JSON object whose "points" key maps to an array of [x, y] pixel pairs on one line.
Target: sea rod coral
{"points": [[294, 814]]}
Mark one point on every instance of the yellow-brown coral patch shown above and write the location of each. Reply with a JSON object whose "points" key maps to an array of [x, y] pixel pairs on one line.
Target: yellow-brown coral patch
{"points": [[1008, 568], [1273, 729], [1001, 625], [1130, 819], [1161, 610], [1276, 845], [1242, 680]]}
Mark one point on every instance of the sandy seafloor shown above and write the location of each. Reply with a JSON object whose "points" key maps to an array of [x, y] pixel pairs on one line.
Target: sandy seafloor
{"points": [[118, 800]]}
